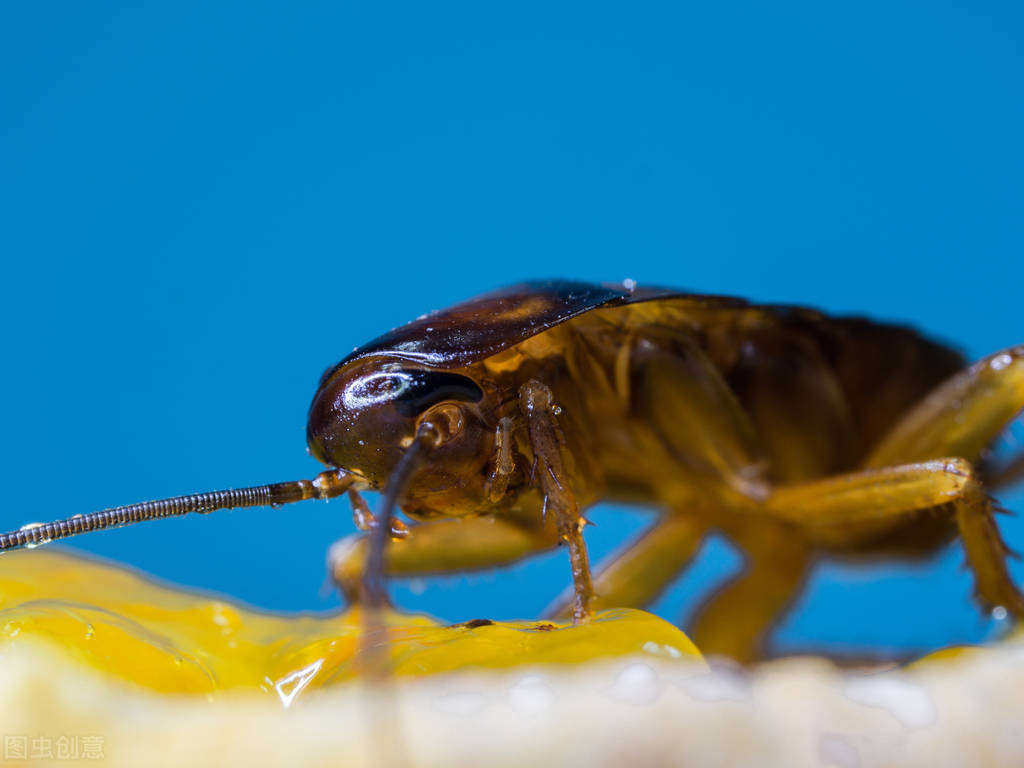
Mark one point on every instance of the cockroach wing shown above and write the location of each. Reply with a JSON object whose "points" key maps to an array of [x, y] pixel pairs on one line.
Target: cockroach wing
{"points": [[487, 324]]}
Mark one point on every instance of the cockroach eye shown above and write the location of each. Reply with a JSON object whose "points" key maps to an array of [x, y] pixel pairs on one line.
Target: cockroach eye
{"points": [[423, 389]]}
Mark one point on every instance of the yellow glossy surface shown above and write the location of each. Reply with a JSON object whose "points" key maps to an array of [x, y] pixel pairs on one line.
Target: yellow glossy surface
{"points": [[173, 641]]}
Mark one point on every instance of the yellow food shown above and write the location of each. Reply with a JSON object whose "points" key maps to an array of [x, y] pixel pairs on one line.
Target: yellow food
{"points": [[173, 641]]}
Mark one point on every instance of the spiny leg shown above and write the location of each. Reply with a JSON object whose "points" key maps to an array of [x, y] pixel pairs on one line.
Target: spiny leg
{"points": [[503, 464], [736, 619], [841, 513], [539, 411], [445, 546], [862, 508], [960, 417], [636, 574]]}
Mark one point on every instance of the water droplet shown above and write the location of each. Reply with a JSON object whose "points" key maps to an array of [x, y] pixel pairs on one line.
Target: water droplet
{"points": [[1000, 361], [224, 616], [34, 544]]}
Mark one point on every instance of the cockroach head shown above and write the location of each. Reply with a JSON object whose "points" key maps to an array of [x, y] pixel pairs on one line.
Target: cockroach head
{"points": [[368, 411]]}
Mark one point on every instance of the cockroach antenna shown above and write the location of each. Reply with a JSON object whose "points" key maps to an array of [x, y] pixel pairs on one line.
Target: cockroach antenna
{"points": [[326, 485], [373, 575]]}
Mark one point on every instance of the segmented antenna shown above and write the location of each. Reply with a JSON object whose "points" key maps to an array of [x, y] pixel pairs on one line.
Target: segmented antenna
{"points": [[373, 654], [326, 485], [373, 574]]}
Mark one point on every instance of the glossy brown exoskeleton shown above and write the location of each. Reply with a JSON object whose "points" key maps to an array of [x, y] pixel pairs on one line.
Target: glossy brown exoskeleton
{"points": [[493, 424]]}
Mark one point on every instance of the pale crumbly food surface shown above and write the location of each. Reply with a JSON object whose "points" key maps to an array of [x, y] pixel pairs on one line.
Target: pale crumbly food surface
{"points": [[629, 711]]}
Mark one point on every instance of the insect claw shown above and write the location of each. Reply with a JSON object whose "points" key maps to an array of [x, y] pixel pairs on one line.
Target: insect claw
{"points": [[582, 523]]}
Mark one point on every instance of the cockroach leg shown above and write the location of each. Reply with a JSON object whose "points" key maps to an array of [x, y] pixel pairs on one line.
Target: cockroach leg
{"points": [[855, 508], [796, 404], [539, 411], [503, 464], [736, 619], [361, 514], [444, 546], [636, 574], [960, 417], [365, 521], [697, 416]]}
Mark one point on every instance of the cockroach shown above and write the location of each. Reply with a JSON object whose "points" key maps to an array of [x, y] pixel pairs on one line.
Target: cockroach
{"points": [[494, 424]]}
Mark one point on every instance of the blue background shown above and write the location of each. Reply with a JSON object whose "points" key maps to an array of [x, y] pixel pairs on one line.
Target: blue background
{"points": [[206, 205]]}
